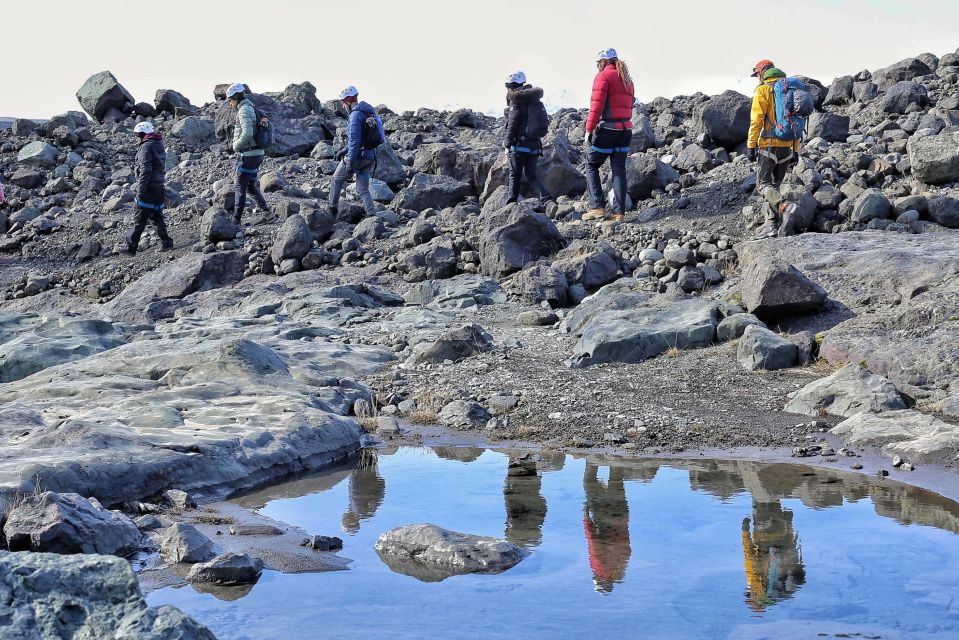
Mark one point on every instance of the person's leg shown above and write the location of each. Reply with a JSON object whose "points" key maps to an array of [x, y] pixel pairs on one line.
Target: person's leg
{"points": [[618, 166], [515, 175], [340, 176], [253, 185], [139, 224], [363, 176], [157, 218], [239, 191], [532, 176], [594, 185]]}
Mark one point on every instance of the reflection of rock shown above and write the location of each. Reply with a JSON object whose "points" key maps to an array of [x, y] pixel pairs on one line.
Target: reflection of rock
{"points": [[431, 554], [606, 521], [224, 592], [459, 454], [367, 490]]}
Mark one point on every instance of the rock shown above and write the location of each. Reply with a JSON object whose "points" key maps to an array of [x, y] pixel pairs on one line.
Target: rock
{"points": [[831, 127], [293, 240], [169, 101], [935, 159], [733, 326], [773, 289], [183, 543], [431, 554], [320, 222], [901, 95], [840, 92], [725, 118], [217, 225], [805, 342], [916, 436], [179, 499], [427, 191], [845, 393], [514, 237], [592, 270], [227, 569], [27, 178], [102, 93], [944, 211], [369, 229], [89, 250], [69, 523], [542, 283], [463, 414], [152, 297], [870, 205], [678, 256], [434, 260], [255, 530], [461, 292], [323, 543], [38, 154], [420, 232], [760, 348], [691, 279], [456, 345], [194, 132], [54, 596], [646, 173], [903, 70]]}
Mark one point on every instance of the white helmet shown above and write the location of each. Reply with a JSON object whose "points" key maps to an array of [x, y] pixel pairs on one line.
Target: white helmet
{"points": [[517, 78], [234, 89], [608, 54], [143, 127], [349, 92]]}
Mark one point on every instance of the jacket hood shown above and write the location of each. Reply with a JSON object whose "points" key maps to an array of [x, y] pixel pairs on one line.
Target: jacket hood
{"points": [[524, 94]]}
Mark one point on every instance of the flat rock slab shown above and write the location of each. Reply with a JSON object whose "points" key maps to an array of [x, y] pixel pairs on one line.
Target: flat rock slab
{"points": [[845, 393], [915, 436], [431, 554]]}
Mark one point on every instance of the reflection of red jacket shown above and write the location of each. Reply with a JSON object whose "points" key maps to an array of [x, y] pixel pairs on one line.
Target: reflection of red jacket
{"points": [[611, 100], [609, 549]]}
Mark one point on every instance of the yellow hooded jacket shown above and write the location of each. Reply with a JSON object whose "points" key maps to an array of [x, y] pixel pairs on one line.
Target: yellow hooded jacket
{"points": [[764, 109]]}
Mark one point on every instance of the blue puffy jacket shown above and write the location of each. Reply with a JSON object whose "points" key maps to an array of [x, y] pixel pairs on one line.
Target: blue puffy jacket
{"points": [[356, 155]]}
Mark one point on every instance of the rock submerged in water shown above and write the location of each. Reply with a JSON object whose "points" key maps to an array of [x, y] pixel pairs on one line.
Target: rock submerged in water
{"points": [[432, 554]]}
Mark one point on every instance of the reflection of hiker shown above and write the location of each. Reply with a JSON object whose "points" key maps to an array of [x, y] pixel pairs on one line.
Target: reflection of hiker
{"points": [[367, 490], [364, 133], [606, 521], [150, 200], [249, 155], [771, 555], [774, 155], [526, 124], [525, 509], [609, 132]]}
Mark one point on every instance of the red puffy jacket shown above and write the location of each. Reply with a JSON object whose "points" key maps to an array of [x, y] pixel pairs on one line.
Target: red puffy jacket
{"points": [[611, 101]]}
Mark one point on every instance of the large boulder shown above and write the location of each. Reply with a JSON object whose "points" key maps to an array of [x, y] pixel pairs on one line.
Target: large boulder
{"points": [[69, 523], [903, 70], [831, 127], [542, 283], [293, 240], [646, 173], [184, 543], [102, 93], [217, 225], [194, 132], [725, 118], [773, 289], [944, 211], [871, 204], [918, 437], [426, 191], [514, 237], [389, 168], [935, 159], [169, 101], [228, 569], [53, 596], [157, 294], [902, 94], [760, 348], [433, 260], [592, 270], [39, 154], [295, 132], [845, 393], [455, 345], [840, 91], [431, 554]]}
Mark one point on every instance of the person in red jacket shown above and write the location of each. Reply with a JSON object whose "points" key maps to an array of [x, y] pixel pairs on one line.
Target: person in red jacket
{"points": [[609, 132]]}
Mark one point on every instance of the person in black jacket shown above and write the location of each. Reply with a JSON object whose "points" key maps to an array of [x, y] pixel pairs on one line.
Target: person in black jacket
{"points": [[522, 142], [150, 169]]}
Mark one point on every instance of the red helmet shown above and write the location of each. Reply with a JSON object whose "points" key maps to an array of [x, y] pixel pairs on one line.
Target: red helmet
{"points": [[761, 66]]}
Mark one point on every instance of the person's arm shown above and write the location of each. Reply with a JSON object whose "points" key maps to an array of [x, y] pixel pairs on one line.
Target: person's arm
{"points": [[243, 132], [144, 167], [512, 125], [597, 102], [756, 118], [354, 135]]}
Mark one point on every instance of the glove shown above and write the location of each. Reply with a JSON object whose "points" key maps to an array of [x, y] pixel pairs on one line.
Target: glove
{"points": [[340, 154], [752, 153]]}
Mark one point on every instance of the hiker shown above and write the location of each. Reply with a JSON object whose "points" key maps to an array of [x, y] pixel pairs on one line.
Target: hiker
{"points": [[526, 124], [3, 196], [774, 156], [609, 132], [150, 170], [364, 133], [249, 155]]}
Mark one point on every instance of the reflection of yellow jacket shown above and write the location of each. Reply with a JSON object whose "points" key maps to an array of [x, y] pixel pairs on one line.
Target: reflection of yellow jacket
{"points": [[764, 108]]}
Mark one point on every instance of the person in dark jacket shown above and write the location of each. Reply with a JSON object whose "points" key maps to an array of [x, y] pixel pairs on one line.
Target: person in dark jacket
{"points": [[150, 170], [355, 159], [249, 156], [609, 132], [523, 147]]}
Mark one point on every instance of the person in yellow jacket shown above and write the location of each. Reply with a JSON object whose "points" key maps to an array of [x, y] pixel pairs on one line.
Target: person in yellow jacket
{"points": [[774, 157]]}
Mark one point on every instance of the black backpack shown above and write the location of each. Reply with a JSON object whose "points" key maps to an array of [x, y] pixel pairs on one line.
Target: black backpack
{"points": [[537, 121], [372, 137], [263, 137]]}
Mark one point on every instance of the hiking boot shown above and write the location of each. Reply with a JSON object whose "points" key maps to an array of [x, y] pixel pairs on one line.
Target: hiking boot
{"points": [[615, 218], [766, 230], [167, 245], [598, 213], [130, 250]]}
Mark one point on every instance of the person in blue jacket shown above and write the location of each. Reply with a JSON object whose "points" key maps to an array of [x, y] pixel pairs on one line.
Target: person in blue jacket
{"points": [[355, 158]]}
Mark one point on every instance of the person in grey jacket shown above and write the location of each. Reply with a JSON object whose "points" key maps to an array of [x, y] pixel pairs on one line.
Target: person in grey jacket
{"points": [[150, 170], [354, 157], [249, 157]]}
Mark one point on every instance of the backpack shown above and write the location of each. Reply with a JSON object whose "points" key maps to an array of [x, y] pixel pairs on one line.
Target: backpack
{"points": [[794, 105], [537, 121], [264, 136], [372, 136]]}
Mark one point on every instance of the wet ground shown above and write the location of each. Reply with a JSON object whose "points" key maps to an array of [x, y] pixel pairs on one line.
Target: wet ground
{"points": [[670, 548]]}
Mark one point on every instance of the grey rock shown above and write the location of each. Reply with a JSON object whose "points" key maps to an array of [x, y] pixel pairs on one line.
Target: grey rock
{"points": [[831, 127], [646, 173], [916, 436], [944, 211], [901, 95], [217, 225], [427, 191], [463, 414], [514, 237], [456, 345], [227, 569], [323, 543], [102, 93], [293, 240], [725, 118], [38, 154], [184, 543], [870, 205], [773, 289], [543, 283], [845, 393], [194, 132], [732, 327], [678, 256], [760, 348], [431, 261], [169, 101], [592, 270], [935, 159], [691, 279]]}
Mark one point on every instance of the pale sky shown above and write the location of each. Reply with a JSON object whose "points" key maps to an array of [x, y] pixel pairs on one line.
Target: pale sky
{"points": [[445, 54]]}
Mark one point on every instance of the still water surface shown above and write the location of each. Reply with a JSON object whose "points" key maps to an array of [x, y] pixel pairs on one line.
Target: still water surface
{"points": [[618, 547]]}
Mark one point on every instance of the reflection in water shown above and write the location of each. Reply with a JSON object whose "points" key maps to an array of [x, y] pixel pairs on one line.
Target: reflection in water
{"points": [[367, 490], [771, 554], [606, 521], [525, 510]]}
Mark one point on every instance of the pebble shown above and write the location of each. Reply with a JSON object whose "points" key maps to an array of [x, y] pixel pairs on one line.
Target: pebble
{"points": [[855, 466]]}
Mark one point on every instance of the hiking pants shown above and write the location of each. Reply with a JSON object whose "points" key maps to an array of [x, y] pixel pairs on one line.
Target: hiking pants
{"points": [[521, 162], [149, 209], [770, 172], [247, 169], [611, 144], [363, 176]]}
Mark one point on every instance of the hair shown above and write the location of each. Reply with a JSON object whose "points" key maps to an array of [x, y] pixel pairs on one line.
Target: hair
{"points": [[238, 96], [623, 70]]}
